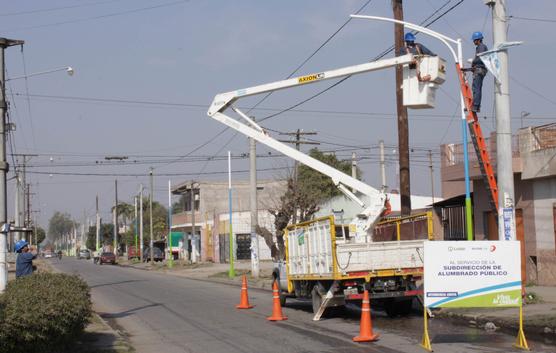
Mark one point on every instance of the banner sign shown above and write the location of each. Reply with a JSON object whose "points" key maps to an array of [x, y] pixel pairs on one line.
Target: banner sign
{"points": [[470, 274]]}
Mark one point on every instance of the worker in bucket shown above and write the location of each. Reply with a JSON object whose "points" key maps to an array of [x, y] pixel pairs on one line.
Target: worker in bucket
{"points": [[414, 48], [418, 50], [25, 257], [479, 71]]}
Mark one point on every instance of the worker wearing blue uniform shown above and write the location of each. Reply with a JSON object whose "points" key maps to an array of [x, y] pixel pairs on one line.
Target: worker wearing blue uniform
{"points": [[479, 71], [414, 48], [24, 262]]}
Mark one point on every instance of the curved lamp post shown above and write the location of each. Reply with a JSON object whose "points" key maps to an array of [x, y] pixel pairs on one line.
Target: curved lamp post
{"points": [[457, 55]]}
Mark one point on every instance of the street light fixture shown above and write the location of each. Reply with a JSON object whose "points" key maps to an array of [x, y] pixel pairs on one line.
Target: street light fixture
{"points": [[524, 114], [68, 69]]}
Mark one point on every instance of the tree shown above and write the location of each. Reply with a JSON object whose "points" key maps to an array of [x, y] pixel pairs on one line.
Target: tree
{"points": [[126, 211], [312, 189], [40, 235], [106, 235], [60, 224], [160, 224]]}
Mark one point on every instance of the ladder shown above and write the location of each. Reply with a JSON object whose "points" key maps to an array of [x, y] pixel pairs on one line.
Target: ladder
{"points": [[478, 141]]}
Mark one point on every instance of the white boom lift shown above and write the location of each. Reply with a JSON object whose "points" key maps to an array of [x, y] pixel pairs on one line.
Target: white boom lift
{"points": [[423, 97]]}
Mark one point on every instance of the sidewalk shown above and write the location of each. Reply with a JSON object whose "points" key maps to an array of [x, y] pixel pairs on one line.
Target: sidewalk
{"points": [[539, 316]]}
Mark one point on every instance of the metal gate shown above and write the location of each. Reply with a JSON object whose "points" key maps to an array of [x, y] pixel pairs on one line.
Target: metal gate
{"points": [[243, 242], [453, 222]]}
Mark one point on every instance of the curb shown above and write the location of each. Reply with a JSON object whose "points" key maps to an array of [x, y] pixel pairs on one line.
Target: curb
{"points": [[509, 326]]}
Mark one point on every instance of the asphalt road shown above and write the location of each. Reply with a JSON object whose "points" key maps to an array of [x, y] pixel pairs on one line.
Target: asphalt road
{"points": [[165, 313]]}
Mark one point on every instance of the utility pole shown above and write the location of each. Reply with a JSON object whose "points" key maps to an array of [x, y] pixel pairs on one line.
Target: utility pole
{"points": [[135, 222], [193, 225], [18, 213], [4, 43], [504, 169], [432, 175], [97, 242], [298, 133], [116, 218], [403, 134], [384, 187], [28, 211], [353, 167], [141, 224], [254, 207], [151, 214]]}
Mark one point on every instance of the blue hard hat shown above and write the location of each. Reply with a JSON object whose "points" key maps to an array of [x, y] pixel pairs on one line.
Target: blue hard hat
{"points": [[409, 37], [20, 245], [476, 35]]}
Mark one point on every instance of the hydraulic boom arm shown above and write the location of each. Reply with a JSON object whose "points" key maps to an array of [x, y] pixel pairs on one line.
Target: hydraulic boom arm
{"points": [[369, 216]]}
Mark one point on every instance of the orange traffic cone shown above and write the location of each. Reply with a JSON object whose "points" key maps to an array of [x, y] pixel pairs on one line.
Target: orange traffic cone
{"points": [[276, 308], [244, 301], [366, 328]]}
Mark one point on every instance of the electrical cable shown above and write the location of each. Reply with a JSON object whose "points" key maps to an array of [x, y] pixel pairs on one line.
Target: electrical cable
{"points": [[378, 57], [57, 8], [84, 19], [532, 19], [28, 100]]}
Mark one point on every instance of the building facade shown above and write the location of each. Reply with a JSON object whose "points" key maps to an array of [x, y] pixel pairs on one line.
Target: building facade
{"points": [[534, 166], [207, 229]]}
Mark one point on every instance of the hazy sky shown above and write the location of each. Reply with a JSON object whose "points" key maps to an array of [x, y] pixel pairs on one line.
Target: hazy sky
{"points": [[142, 53]]}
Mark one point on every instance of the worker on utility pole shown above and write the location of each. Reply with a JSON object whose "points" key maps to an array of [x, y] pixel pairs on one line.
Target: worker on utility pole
{"points": [[479, 71]]}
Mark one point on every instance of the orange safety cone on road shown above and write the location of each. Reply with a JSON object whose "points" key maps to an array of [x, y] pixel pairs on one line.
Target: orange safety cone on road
{"points": [[244, 300], [276, 308], [366, 328]]}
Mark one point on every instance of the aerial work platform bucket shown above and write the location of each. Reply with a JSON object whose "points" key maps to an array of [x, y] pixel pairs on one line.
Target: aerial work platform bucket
{"points": [[421, 80]]}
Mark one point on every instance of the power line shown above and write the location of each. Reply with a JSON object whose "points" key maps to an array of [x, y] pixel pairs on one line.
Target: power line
{"points": [[142, 175], [532, 19], [84, 19], [378, 57], [51, 9]]}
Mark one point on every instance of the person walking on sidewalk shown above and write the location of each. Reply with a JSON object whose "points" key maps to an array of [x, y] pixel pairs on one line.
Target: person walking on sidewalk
{"points": [[25, 257], [479, 71]]}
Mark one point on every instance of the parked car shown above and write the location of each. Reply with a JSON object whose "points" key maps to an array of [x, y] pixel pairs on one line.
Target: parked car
{"points": [[84, 254], [107, 258], [48, 254], [158, 255]]}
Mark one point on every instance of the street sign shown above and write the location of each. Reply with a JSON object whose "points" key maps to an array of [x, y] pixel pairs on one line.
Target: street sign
{"points": [[472, 274]]}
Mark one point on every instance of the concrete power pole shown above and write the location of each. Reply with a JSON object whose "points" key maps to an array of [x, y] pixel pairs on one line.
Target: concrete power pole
{"points": [[97, 235], [116, 218], [353, 167], [403, 134], [254, 207], [432, 175], [4, 43], [384, 187], [193, 226], [141, 244], [18, 213], [151, 191], [504, 170], [298, 144]]}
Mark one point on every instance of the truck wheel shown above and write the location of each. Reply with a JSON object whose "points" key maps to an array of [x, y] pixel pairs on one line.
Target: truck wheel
{"points": [[316, 299], [404, 307], [282, 299]]}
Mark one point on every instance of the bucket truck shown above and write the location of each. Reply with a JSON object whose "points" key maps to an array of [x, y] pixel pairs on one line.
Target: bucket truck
{"points": [[319, 264]]}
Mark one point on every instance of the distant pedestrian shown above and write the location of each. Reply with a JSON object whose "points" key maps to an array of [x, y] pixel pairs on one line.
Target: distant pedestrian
{"points": [[479, 71], [25, 257]]}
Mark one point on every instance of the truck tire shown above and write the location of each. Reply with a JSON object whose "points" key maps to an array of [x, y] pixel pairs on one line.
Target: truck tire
{"points": [[396, 308], [316, 299]]}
